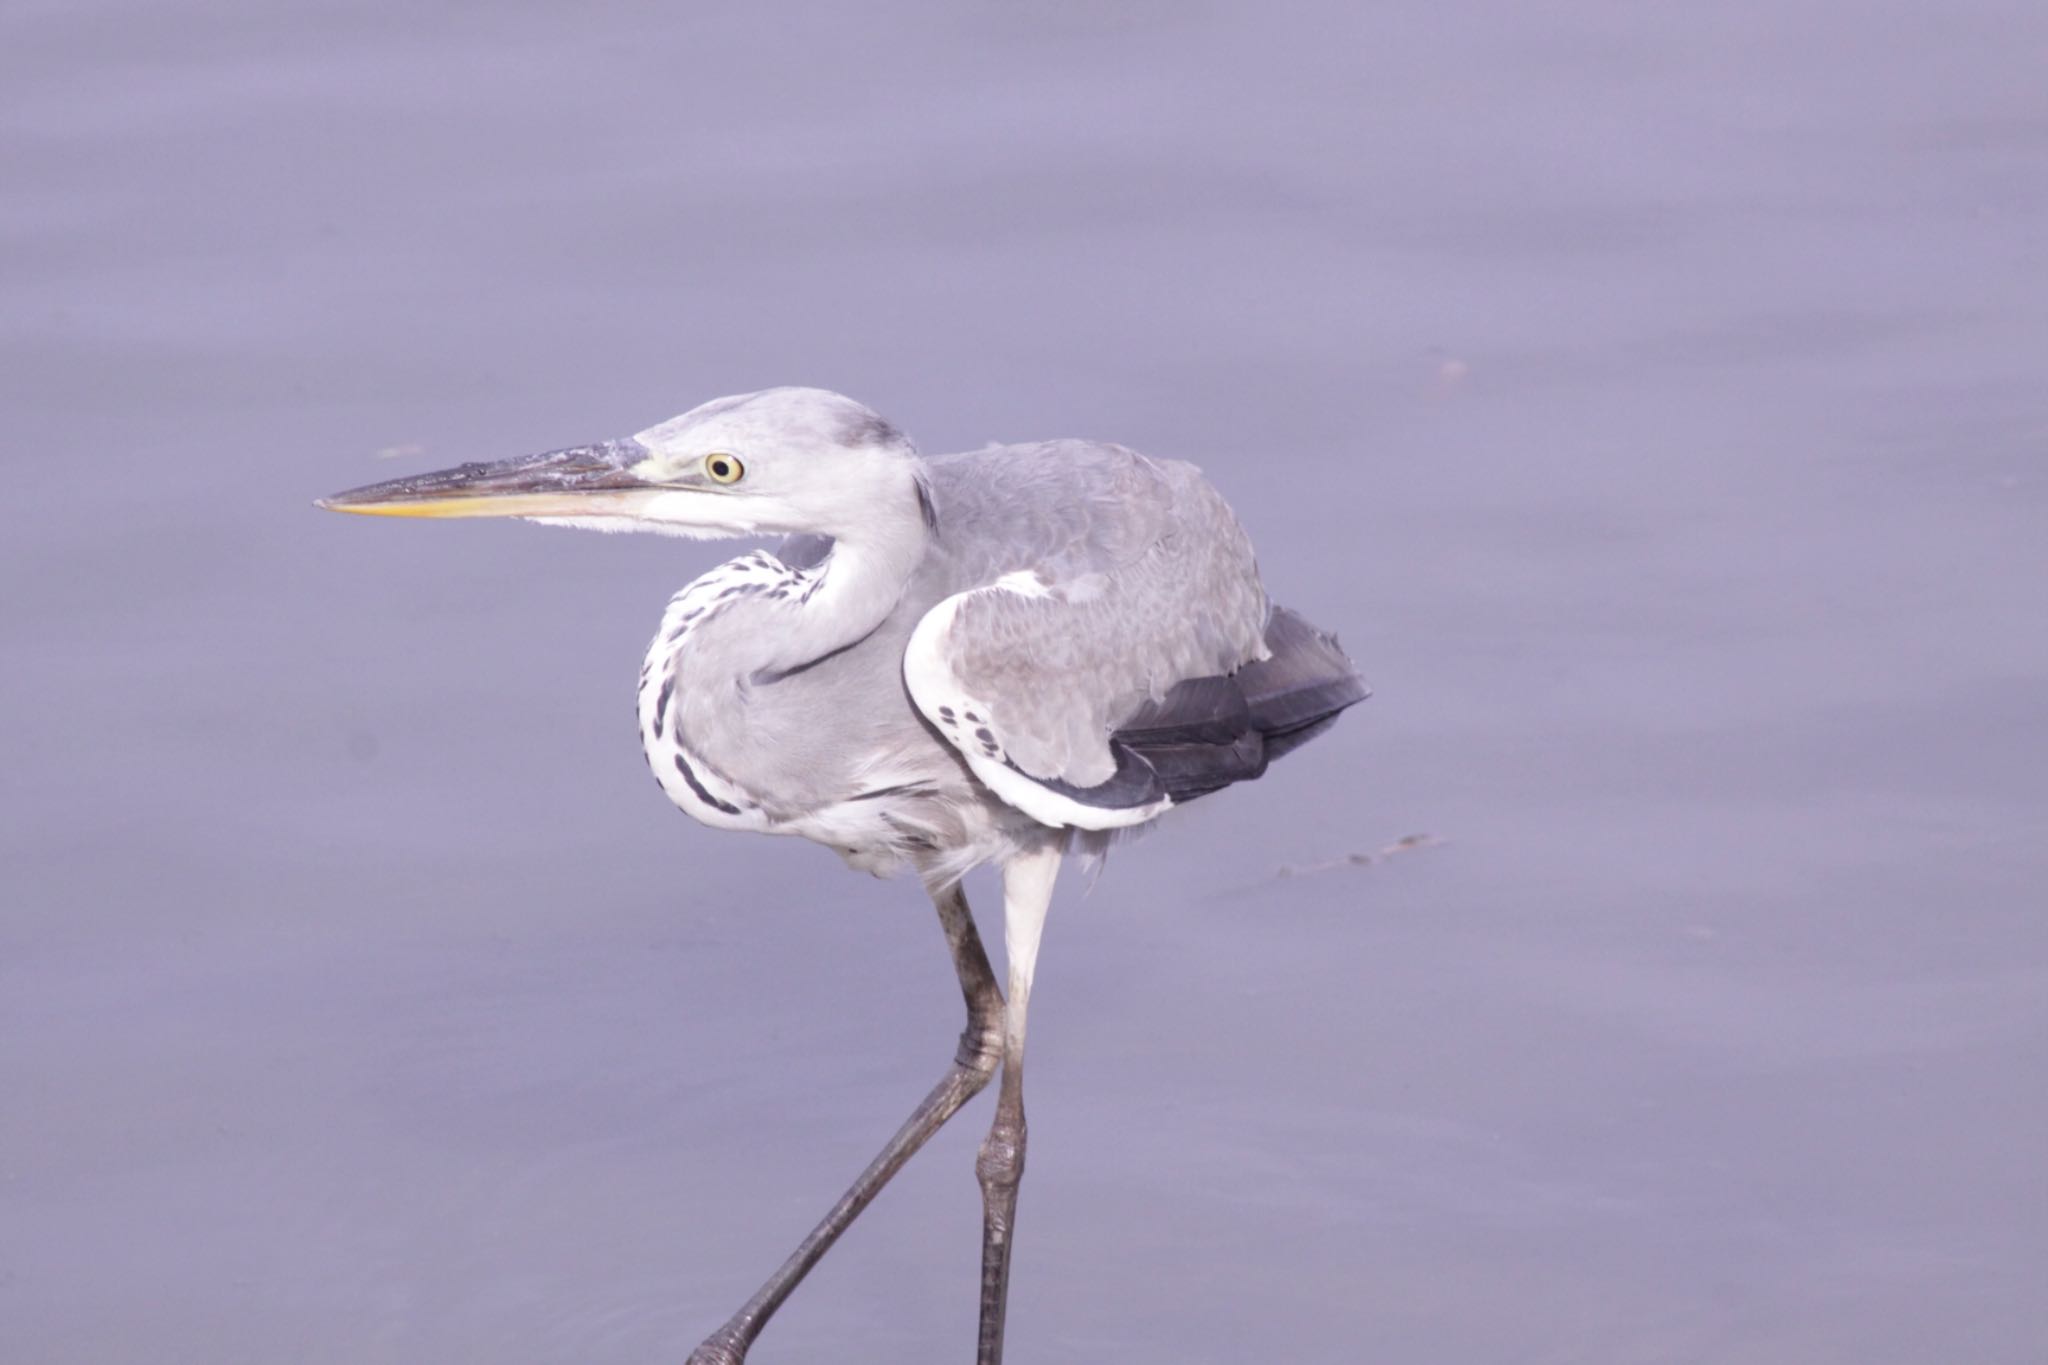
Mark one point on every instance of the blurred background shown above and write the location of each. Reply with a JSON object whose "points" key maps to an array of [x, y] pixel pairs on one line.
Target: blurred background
{"points": [[1651, 395]]}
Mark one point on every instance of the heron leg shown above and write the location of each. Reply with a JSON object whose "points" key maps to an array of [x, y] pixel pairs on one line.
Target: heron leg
{"points": [[974, 1063], [1027, 893]]}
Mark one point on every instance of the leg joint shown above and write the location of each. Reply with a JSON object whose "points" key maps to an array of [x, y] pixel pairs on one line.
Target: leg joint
{"points": [[981, 1042], [1000, 1163], [981, 1046], [723, 1347]]}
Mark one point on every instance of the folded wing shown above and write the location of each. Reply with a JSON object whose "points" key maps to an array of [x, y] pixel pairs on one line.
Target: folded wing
{"points": [[1098, 691]]}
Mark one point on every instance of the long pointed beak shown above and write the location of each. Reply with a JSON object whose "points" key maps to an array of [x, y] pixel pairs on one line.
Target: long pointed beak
{"points": [[582, 481]]}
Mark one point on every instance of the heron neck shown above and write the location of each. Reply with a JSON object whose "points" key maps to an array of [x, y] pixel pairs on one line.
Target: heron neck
{"points": [[858, 585]]}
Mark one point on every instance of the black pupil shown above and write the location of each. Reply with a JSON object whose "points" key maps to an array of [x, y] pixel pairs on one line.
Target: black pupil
{"points": [[721, 468]]}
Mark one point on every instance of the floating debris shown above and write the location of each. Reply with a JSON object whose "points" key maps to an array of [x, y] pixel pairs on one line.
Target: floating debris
{"points": [[1405, 844]]}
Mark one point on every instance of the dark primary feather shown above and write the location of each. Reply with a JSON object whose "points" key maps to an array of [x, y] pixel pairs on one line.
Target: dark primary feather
{"points": [[1299, 692], [1207, 733]]}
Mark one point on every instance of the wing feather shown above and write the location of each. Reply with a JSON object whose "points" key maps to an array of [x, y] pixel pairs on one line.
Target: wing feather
{"points": [[1031, 674]]}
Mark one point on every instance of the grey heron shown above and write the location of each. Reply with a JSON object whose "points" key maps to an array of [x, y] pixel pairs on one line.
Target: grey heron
{"points": [[996, 657]]}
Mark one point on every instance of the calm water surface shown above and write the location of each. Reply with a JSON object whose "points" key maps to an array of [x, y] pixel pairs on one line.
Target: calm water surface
{"points": [[1651, 395]]}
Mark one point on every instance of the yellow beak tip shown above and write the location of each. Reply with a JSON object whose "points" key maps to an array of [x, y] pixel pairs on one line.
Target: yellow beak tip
{"points": [[494, 505], [448, 507]]}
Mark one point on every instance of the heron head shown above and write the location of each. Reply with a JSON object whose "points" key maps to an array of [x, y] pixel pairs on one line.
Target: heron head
{"points": [[787, 460]]}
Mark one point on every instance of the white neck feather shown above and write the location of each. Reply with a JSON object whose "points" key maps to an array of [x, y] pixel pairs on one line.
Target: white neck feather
{"points": [[862, 580]]}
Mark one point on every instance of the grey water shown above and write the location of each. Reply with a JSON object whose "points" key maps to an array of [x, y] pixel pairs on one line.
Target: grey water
{"points": [[1652, 397]]}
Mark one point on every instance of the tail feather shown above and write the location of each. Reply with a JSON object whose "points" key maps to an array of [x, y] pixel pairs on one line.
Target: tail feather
{"points": [[1306, 680], [1208, 733]]}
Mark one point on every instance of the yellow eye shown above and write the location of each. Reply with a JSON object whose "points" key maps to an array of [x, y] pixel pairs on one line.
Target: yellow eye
{"points": [[723, 468]]}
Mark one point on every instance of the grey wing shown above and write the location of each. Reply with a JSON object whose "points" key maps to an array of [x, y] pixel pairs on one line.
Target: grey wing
{"points": [[1122, 579]]}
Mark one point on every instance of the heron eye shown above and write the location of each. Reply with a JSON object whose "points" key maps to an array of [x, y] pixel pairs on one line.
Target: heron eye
{"points": [[724, 468]]}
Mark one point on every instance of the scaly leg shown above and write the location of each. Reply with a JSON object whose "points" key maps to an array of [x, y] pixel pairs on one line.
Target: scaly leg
{"points": [[1027, 893], [972, 1066]]}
